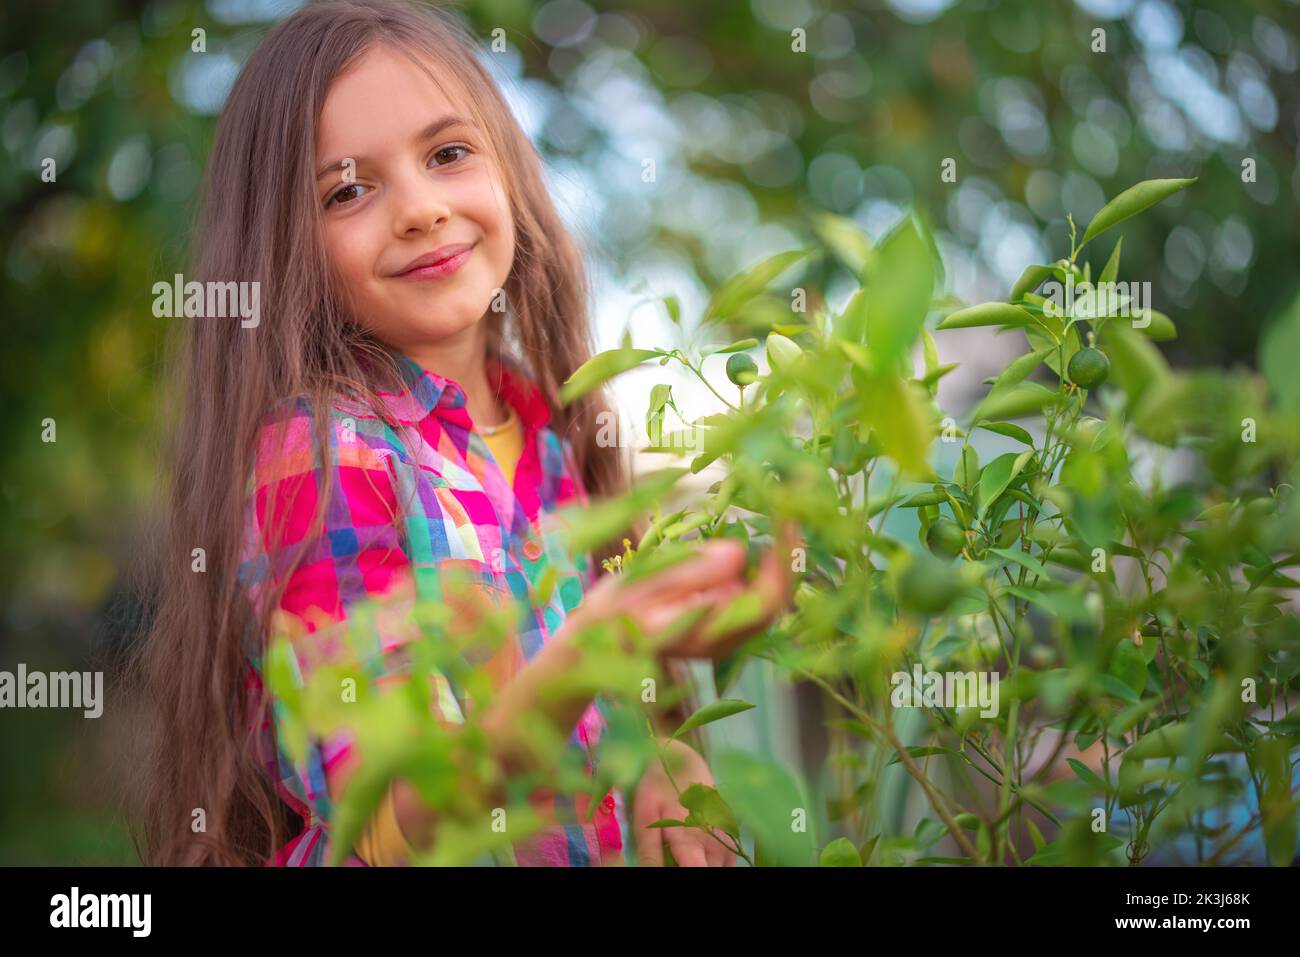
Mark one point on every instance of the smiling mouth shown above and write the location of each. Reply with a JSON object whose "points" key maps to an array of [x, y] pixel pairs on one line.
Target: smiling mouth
{"points": [[440, 269]]}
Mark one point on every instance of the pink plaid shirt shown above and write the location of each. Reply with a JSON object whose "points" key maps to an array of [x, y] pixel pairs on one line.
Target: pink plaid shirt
{"points": [[459, 512]]}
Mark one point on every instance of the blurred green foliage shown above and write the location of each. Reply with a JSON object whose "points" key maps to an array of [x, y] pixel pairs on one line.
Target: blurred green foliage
{"points": [[747, 133]]}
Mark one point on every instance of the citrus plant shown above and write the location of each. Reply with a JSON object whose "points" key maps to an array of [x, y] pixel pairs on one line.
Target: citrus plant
{"points": [[1063, 611], [1100, 538]]}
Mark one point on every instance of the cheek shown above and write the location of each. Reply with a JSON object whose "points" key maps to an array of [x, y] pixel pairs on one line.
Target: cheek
{"points": [[497, 217], [350, 259]]}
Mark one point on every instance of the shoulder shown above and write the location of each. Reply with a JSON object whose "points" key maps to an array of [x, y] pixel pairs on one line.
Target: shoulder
{"points": [[316, 472], [297, 435]]}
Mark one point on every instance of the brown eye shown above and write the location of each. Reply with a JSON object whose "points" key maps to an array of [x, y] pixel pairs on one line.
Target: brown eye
{"points": [[342, 197], [449, 149]]}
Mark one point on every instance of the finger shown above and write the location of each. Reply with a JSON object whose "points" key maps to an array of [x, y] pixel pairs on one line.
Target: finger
{"points": [[664, 613], [649, 845], [775, 579], [720, 855], [713, 853], [716, 561], [649, 839], [687, 852], [698, 640], [675, 618]]}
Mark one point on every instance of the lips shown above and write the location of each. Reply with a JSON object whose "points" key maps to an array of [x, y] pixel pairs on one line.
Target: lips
{"points": [[440, 255]]}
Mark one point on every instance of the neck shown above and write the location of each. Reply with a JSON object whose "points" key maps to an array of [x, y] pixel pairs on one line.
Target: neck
{"points": [[464, 360]]}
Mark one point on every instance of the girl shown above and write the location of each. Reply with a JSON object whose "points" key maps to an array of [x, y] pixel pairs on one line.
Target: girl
{"points": [[392, 417]]}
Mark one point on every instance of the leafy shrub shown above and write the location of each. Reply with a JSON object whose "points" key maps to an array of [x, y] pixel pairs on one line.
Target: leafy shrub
{"points": [[1110, 571]]}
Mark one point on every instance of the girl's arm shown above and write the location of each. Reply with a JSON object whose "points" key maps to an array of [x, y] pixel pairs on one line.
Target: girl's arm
{"points": [[523, 699], [540, 691]]}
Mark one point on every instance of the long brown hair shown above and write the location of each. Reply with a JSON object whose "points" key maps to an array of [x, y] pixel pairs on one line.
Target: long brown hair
{"points": [[259, 222]]}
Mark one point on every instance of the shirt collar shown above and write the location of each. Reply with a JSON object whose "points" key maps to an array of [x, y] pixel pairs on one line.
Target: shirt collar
{"points": [[428, 393]]}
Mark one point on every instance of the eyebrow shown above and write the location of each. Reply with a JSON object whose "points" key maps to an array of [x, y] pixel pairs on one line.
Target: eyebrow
{"points": [[428, 133]]}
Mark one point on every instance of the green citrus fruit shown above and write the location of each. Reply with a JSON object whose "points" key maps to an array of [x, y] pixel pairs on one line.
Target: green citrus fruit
{"points": [[741, 369], [946, 538], [927, 585], [1088, 368]]}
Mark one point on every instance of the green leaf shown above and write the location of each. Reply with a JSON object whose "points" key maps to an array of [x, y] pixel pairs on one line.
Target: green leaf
{"points": [[1031, 278], [1053, 333], [767, 799], [1176, 740], [917, 751], [590, 526], [737, 291], [1117, 688], [600, 368], [1035, 835], [896, 412], [1278, 804], [1023, 559], [931, 353], [1158, 326], [782, 352], [1063, 603], [840, 853], [987, 314], [997, 475], [735, 347], [847, 240], [927, 832], [921, 499], [1020, 368], [933, 377], [1010, 431], [1278, 348], [1136, 365], [708, 808], [898, 295], [714, 711], [1087, 774], [1131, 202], [674, 307], [1111, 270], [1128, 664], [660, 396], [1020, 399]]}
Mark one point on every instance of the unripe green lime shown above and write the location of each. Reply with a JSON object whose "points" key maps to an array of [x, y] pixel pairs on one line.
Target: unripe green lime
{"points": [[1088, 368], [946, 538], [927, 585], [741, 369]]}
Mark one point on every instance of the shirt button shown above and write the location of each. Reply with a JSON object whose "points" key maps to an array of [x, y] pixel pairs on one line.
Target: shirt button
{"points": [[532, 550]]}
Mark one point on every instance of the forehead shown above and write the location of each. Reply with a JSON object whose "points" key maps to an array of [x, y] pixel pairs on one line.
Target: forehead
{"points": [[384, 98]]}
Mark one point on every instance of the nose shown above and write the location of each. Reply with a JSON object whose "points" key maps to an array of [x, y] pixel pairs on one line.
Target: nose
{"points": [[419, 205]]}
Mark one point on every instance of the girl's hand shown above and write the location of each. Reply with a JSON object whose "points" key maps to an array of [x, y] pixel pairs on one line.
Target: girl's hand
{"points": [[656, 799], [709, 580]]}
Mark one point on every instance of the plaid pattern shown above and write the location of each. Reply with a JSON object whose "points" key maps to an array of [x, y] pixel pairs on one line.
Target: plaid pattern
{"points": [[457, 512]]}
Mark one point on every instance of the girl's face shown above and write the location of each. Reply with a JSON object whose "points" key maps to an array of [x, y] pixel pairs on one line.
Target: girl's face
{"points": [[403, 177]]}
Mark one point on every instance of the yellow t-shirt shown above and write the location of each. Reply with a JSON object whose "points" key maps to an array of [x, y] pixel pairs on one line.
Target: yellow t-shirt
{"points": [[383, 844], [506, 443]]}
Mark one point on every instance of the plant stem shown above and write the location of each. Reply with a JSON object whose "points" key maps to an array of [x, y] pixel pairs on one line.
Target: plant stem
{"points": [[885, 730]]}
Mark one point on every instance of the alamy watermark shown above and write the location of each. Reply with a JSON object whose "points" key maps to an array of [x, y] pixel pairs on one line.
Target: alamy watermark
{"points": [[56, 689], [75, 909], [610, 433], [210, 300], [1096, 300], [949, 689]]}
